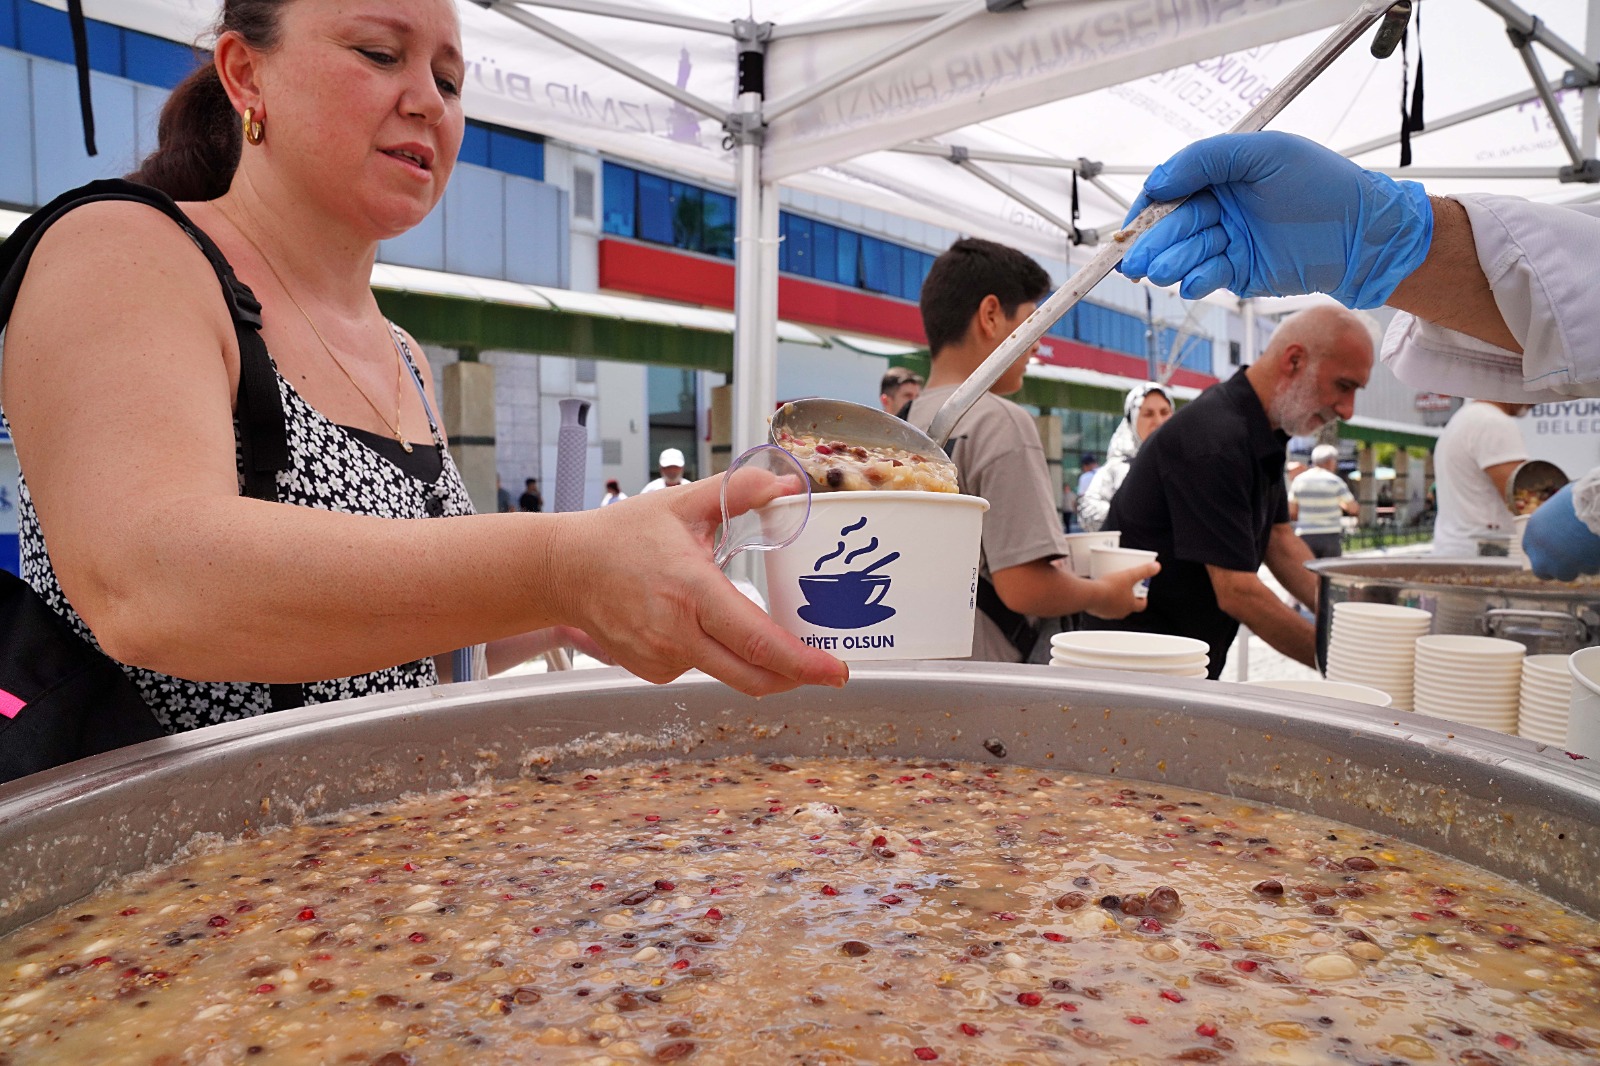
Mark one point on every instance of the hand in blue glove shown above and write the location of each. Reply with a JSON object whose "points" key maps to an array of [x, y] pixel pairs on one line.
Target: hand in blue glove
{"points": [[1558, 543], [1271, 214]]}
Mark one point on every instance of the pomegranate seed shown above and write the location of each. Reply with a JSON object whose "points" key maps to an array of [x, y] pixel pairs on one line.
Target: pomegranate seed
{"points": [[1068, 1006], [306, 915], [1150, 925], [712, 914], [1507, 1041], [823, 449], [1206, 1029], [594, 949], [665, 886], [968, 1029], [926, 1054], [829, 890], [715, 810], [1054, 938], [100, 960], [129, 911], [536, 930], [1171, 995], [1422, 916], [1136, 1020], [652, 817], [681, 964], [596, 886], [409, 866], [1245, 965], [265, 988], [216, 921], [890, 899], [1210, 946], [1029, 999], [879, 841]]}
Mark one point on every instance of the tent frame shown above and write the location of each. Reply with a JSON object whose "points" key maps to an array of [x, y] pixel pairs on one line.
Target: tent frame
{"points": [[756, 244]]}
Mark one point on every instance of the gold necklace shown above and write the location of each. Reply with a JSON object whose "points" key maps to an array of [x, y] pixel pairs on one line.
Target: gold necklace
{"points": [[399, 369]]}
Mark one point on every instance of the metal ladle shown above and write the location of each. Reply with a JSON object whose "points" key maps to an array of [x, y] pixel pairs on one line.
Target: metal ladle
{"points": [[869, 427]]}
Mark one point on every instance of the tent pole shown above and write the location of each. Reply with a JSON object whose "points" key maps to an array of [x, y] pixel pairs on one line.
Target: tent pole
{"points": [[747, 325], [634, 14], [1436, 124], [586, 47], [1247, 311], [1591, 103], [864, 21], [959, 158], [1521, 22]]}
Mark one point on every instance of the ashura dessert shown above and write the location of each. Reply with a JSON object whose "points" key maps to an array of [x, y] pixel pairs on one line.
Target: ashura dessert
{"points": [[835, 466], [818, 911]]}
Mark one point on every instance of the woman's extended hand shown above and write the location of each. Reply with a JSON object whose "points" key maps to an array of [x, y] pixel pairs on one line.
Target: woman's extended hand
{"points": [[637, 576]]}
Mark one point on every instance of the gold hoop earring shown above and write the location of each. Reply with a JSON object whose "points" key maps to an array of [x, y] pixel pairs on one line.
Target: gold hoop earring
{"points": [[254, 131]]}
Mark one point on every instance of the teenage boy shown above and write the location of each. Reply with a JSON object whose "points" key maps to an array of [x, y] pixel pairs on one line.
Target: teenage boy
{"points": [[975, 294]]}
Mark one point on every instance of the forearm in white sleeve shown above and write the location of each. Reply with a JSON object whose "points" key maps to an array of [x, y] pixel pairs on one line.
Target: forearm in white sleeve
{"points": [[1538, 259], [1586, 500]]}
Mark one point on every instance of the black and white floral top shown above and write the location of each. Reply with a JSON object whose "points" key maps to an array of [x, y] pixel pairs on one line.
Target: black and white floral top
{"points": [[333, 468]]}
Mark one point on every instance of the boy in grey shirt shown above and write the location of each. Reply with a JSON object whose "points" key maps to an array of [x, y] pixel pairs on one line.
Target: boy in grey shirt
{"points": [[975, 294]]}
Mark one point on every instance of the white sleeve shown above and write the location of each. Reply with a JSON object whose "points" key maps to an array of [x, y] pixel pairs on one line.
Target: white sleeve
{"points": [[1538, 259], [1586, 500]]}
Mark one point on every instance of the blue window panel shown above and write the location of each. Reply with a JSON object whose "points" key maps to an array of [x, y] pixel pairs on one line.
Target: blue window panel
{"points": [[784, 221], [688, 216], [719, 225], [799, 242], [61, 162], [882, 266], [620, 194], [8, 28], [474, 222], [847, 259], [44, 31], [655, 209], [825, 251], [474, 146], [422, 245], [153, 61], [16, 133], [535, 232], [516, 154]]}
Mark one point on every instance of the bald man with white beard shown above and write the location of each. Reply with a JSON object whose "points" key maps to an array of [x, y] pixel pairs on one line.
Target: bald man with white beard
{"points": [[1208, 495]]}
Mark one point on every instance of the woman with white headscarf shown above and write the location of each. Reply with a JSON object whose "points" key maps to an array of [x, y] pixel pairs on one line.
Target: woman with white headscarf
{"points": [[1147, 406]]}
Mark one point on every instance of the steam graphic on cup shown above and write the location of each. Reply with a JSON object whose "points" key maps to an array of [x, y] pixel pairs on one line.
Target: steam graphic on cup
{"points": [[853, 598]]}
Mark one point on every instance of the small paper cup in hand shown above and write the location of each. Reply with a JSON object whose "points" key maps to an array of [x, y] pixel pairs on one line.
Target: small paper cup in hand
{"points": [[879, 575], [1103, 561], [1079, 546]]}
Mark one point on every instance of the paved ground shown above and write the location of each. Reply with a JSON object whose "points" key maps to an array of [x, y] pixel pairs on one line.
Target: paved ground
{"points": [[1250, 659]]}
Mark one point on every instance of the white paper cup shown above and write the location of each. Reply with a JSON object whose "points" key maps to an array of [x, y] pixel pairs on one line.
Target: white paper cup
{"points": [[879, 575], [1333, 690], [1103, 561], [1128, 644], [1583, 717], [1079, 545]]}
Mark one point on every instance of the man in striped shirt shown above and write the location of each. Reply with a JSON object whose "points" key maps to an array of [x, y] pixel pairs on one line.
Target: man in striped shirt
{"points": [[1318, 500]]}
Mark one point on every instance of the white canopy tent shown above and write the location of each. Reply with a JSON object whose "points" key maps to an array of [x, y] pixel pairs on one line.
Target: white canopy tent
{"points": [[977, 114]]}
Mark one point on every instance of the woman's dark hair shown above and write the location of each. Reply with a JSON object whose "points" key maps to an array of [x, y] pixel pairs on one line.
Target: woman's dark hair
{"points": [[969, 270], [199, 136]]}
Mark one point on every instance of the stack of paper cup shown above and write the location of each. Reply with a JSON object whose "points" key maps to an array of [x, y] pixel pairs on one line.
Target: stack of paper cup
{"points": [[1515, 552], [1374, 644], [1583, 719], [1471, 680], [1146, 653], [1546, 699]]}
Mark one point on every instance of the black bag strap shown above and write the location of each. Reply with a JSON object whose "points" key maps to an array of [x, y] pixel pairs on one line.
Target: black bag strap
{"points": [[1016, 628], [263, 432]]}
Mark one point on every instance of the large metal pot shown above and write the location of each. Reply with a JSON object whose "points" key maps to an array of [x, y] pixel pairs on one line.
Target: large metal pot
{"points": [[1498, 802], [1479, 597]]}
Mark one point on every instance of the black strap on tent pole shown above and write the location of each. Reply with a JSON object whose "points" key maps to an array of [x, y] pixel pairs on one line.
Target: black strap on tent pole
{"points": [[1075, 236], [1410, 97], [80, 56]]}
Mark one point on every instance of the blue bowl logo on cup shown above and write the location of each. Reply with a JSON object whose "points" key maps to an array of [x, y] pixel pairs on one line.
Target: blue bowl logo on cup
{"points": [[848, 598]]}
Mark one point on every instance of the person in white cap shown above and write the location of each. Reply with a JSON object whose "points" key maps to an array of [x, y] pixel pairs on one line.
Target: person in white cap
{"points": [[671, 464]]}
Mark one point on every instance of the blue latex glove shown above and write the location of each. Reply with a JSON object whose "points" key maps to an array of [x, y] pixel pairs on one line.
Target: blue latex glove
{"points": [[1271, 214], [1558, 543]]}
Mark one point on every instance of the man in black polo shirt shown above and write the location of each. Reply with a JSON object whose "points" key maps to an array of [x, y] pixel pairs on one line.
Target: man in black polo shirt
{"points": [[1208, 491]]}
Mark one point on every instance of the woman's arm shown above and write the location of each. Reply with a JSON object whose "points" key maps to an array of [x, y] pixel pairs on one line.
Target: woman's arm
{"points": [[119, 377]]}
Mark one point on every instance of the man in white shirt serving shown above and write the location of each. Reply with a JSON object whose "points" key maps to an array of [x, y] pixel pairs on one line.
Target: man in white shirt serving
{"points": [[1318, 501], [1479, 450], [1496, 292]]}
